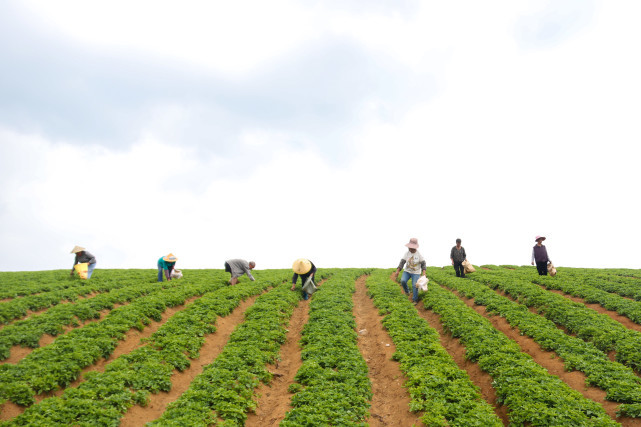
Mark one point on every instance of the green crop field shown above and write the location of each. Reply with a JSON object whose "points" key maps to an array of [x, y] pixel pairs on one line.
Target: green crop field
{"points": [[503, 346]]}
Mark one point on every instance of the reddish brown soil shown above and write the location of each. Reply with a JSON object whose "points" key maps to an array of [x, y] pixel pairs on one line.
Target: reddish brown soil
{"points": [[390, 401], [485, 268], [180, 381], [550, 361], [453, 346], [273, 403]]}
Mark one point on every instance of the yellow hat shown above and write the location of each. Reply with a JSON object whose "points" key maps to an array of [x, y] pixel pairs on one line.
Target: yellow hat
{"points": [[170, 258], [77, 249], [302, 266]]}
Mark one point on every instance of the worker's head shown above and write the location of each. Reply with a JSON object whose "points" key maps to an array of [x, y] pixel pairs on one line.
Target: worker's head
{"points": [[458, 242], [252, 265]]}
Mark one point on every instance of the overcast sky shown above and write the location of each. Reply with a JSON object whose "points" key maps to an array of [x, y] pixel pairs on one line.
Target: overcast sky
{"points": [[330, 130]]}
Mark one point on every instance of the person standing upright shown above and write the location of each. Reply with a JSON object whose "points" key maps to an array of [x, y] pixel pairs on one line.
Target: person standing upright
{"points": [[540, 256], [457, 255], [415, 267]]}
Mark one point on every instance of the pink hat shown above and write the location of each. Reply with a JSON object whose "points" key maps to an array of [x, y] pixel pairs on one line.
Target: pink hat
{"points": [[413, 244], [536, 239]]}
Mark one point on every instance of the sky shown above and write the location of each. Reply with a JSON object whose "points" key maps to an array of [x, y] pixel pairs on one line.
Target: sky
{"points": [[327, 130]]}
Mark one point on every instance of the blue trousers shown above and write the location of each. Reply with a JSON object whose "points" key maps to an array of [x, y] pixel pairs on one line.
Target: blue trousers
{"points": [[404, 279], [90, 269], [161, 271]]}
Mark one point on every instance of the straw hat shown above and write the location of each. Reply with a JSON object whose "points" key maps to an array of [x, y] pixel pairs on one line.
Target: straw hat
{"points": [[77, 249], [302, 266], [536, 239], [170, 258], [413, 244]]}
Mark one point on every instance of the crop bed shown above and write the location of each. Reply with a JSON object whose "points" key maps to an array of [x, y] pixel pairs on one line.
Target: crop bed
{"points": [[501, 347]]}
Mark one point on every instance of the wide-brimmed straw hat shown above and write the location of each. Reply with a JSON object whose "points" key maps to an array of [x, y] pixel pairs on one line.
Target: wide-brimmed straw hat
{"points": [[170, 258], [302, 266], [413, 244], [536, 239], [77, 249]]}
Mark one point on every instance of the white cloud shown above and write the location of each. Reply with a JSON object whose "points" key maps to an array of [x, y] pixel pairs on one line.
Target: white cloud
{"points": [[509, 143]]}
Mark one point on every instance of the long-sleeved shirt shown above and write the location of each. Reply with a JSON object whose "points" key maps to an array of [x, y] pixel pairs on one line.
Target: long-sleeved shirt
{"points": [[165, 264], [239, 267], [303, 277], [458, 255], [84, 256], [412, 261], [540, 254]]}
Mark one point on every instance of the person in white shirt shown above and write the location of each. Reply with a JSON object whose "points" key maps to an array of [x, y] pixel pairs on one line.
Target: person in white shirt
{"points": [[415, 267]]}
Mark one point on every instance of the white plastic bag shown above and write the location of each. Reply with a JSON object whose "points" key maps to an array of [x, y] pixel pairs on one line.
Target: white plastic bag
{"points": [[176, 274], [422, 283]]}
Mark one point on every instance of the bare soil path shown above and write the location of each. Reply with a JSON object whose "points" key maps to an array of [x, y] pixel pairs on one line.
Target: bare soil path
{"points": [[390, 401], [274, 399]]}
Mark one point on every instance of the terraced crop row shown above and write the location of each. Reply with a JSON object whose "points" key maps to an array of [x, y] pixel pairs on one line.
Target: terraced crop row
{"points": [[436, 384], [532, 395], [104, 397], [619, 381], [587, 324], [59, 363], [225, 388]]}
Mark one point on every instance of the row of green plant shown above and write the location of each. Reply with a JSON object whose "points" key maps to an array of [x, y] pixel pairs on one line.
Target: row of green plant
{"points": [[28, 332], [606, 334], [225, 389], [532, 395], [437, 386], [22, 283], [19, 307], [619, 381], [332, 386], [576, 278], [60, 363], [590, 290], [104, 397]]}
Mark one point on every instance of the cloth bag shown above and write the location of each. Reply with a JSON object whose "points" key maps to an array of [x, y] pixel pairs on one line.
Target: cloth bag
{"points": [[309, 287], [176, 274], [82, 269], [422, 283], [551, 270], [468, 267]]}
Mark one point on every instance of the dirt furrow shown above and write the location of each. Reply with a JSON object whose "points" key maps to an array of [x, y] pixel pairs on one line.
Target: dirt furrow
{"points": [[180, 381], [390, 401], [274, 399], [454, 347]]}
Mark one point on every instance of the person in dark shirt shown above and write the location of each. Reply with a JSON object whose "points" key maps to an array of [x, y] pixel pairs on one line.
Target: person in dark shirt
{"points": [[457, 255], [83, 256], [304, 269], [540, 256]]}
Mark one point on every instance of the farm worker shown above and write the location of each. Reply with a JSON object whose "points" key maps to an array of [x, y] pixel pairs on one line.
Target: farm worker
{"points": [[457, 255], [166, 265], [83, 256], [238, 267], [414, 266], [540, 256], [304, 269]]}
